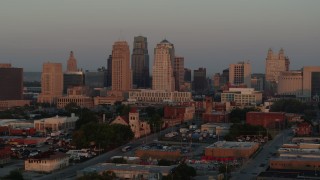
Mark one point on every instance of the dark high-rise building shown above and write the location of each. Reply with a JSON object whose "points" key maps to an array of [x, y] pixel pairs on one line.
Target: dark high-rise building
{"points": [[96, 79], [187, 75], [109, 71], [140, 63], [178, 72], [200, 83], [72, 79], [11, 82]]}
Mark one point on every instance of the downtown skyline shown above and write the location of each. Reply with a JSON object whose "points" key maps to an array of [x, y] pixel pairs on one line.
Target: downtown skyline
{"points": [[209, 34]]}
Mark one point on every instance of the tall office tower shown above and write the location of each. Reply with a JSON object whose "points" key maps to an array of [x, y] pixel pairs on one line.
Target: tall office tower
{"points": [[140, 63], [225, 76], [178, 72], [95, 79], [311, 83], [51, 83], [109, 71], [240, 74], [257, 81], [72, 77], [11, 82], [275, 63], [121, 72], [162, 71], [72, 63], [216, 81], [187, 75], [200, 83]]}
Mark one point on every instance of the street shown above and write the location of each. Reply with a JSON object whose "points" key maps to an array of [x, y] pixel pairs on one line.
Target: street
{"points": [[259, 163]]}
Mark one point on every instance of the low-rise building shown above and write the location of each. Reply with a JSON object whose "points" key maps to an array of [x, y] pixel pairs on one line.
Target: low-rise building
{"points": [[7, 104], [78, 95], [169, 154], [47, 162], [129, 171], [106, 100], [294, 163], [5, 153], [220, 129], [230, 149], [159, 96], [56, 123], [242, 96], [303, 129], [139, 127], [273, 120]]}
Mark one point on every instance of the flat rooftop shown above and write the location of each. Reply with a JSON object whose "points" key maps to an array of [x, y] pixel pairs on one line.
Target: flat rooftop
{"points": [[294, 159], [126, 167], [232, 145]]}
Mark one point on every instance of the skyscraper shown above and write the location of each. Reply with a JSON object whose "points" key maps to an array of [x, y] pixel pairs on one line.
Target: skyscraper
{"points": [[140, 63], [51, 82], [162, 71], [200, 83], [178, 72], [187, 75], [121, 72], [10, 82], [72, 63], [276, 63], [72, 77], [109, 71], [240, 74]]}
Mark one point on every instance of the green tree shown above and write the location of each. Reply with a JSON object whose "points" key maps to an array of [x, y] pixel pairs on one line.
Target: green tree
{"points": [[86, 116], [108, 175], [182, 172]]}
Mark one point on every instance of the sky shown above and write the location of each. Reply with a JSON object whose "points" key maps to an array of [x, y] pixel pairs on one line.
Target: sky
{"points": [[207, 33]]}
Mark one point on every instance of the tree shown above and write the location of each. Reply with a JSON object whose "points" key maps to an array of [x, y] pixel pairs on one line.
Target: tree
{"points": [[183, 172], [86, 116], [14, 174]]}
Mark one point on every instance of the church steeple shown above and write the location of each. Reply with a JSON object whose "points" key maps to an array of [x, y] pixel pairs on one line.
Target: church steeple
{"points": [[72, 63]]}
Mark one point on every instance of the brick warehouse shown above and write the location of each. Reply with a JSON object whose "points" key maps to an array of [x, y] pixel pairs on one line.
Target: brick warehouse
{"points": [[273, 120]]}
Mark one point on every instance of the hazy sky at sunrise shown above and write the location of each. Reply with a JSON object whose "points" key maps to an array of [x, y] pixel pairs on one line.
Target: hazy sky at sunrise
{"points": [[208, 33]]}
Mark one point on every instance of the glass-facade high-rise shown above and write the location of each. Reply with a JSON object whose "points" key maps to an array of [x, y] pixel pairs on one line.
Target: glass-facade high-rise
{"points": [[140, 63]]}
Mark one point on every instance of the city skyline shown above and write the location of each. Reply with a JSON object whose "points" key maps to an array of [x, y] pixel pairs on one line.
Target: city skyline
{"points": [[210, 34]]}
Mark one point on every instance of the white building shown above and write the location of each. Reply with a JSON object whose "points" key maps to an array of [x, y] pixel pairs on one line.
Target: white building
{"points": [[56, 123], [159, 96], [47, 162], [242, 96]]}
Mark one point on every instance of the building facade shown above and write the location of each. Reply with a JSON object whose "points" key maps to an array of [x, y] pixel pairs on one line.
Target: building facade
{"points": [[276, 63], [51, 83], [242, 96], [240, 74], [273, 120], [72, 79], [200, 83], [121, 72], [311, 82], [140, 63], [72, 63], [109, 71], [56, 123], [47, 162], [178, 72], [290, 83], [230, 149], [162, 71], [154, 96], [11, 82]]}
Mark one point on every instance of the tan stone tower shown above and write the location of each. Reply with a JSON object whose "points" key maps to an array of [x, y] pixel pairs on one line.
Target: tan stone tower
{"points": [[51, 83], [162, 71], [72, 63], [121, 72]]}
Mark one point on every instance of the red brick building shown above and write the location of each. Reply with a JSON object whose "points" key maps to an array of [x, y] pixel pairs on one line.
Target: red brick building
{"points": [[303, 129], [216, 117], [273, 120], [177, 114]]}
